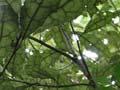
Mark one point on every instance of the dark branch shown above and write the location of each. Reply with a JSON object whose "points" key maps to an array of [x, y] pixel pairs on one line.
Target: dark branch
{"points": [[83, 64], [50, 47], [20, 39], [46, 85], [75, 60]]}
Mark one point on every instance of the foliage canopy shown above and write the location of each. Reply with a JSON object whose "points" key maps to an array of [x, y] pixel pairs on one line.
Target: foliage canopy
{"points": [[59, 44]]}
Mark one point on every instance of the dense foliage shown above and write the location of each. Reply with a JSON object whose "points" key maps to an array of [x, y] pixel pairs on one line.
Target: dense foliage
{"points": [[59, 44]]}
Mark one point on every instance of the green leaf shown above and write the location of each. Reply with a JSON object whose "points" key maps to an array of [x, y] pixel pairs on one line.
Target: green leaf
{"points": [[48, 20], [16, 67], [105, 88], [61, 36], [117, 72], [6, 86], [15, 4], [102, 80], [91, 7], [115, 59], [8, 30], [50, 13], [21, 87], [40, 67], [101, 20]]}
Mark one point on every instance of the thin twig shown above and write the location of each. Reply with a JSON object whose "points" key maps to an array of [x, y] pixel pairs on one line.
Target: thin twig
{"points": [[20, 38]]}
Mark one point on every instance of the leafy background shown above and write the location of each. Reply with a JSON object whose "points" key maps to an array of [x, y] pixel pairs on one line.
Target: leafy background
{"points": [[59, 44]]}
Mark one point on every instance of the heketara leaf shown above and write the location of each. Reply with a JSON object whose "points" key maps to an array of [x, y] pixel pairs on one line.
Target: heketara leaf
{"points": [[50, 13], [15, 4], [8, 29], [101, 20]]}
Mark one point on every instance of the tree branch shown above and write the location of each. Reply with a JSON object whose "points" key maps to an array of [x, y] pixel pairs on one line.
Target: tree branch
{"points": [[75, 60], [52, 48], [82, 62], [46, 85], [20, 38]]}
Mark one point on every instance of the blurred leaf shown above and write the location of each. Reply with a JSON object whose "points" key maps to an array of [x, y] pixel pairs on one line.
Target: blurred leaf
{"points": [[6, 86], [117, 72], [105, 88], [100, 20], [21, 87], [8, 30], [15, 4], [50, 13]]}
